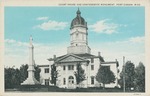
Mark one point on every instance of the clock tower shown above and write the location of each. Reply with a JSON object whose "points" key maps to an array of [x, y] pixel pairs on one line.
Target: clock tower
{"points": [[78, 36]]}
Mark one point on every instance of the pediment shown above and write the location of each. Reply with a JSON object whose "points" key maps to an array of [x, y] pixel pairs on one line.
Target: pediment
{"points": [[71, 58]]}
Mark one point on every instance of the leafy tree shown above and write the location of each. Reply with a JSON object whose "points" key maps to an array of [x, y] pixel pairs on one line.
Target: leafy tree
{"points": [[105, 75], [16, 77], [13, 77], [80, 76], [139, 81], [129, 75], [8, 77], [23, 72], [54, 74], [37, 73], [7, 80]]}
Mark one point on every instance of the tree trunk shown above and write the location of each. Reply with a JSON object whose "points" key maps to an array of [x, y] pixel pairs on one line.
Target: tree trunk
{"points": [[55, 83], [103, 85]]}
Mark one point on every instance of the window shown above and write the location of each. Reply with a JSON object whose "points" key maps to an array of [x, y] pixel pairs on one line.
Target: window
{"points": [[64, 67], [70, 67], [71, 80], [64, 81], [46, 70], [46, 81], [92, 60], [92, 80], [92, 67]]}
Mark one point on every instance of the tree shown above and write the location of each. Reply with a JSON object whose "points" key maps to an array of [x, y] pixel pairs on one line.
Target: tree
{"points": [[128, 72], [37, 73], [105, 75], [23, 72], [80, 76], [16, 77], [13, 77], [54, 74], [139, 81]]}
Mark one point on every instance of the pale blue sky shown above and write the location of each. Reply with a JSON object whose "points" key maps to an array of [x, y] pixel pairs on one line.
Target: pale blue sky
{"points": [[19, 22], [107, 27]]}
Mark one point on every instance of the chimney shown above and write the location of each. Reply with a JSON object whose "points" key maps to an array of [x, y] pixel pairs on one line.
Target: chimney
{"points": [[116, 60], [99, 53], [54, 56]]}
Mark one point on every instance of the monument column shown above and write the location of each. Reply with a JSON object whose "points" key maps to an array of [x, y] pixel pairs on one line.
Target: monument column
{"points": [[31, 79]]}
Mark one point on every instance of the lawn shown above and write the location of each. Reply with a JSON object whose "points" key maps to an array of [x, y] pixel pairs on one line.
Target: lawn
{"points": [[56, 89], [44, 88]]}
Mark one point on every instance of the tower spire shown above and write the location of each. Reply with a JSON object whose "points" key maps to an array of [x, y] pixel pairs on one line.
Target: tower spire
{"points": [[78, 12]]}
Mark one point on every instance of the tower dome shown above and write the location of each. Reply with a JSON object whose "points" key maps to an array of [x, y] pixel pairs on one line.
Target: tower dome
{"points": [[78, 20]]}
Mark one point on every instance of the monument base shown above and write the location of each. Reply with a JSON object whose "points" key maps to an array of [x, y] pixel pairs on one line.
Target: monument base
{"points": [[30, 81]]}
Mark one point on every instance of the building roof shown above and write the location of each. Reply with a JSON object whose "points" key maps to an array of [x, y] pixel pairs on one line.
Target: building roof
{"points": [[78, 20], [71, 58], [89, 56], [43, 65], [111, 62], [83, 56]]}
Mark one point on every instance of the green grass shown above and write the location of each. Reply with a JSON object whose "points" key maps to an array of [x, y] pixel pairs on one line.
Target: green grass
{"points": [[87, 90], [43, 88], [37, 88]]}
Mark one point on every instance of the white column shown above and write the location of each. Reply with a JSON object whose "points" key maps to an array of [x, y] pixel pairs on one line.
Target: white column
{"points": [[87, 71], [31, 79]]}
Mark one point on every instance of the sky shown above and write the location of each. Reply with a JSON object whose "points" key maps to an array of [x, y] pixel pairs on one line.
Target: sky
{"points": [[113, 31]]}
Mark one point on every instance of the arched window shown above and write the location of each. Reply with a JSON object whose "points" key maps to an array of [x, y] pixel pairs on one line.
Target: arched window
{"points": [[71, 77], [71, 80]]}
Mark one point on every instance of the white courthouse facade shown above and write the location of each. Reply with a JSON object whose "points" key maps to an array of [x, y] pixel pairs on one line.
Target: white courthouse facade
{"points": [[77, 53]]}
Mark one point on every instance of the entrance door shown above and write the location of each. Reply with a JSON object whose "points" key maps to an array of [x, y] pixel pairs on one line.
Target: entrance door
{"points": [[71, 82]]}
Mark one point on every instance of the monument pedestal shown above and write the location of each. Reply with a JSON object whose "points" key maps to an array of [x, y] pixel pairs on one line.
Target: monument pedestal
{"points": [[30, 81]]}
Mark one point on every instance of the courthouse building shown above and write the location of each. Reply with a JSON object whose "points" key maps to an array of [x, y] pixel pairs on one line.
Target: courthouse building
{"points": [[77, 53]]}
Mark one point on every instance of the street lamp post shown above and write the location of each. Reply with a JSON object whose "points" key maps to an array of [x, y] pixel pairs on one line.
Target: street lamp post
{"points": [[124, 84]]}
